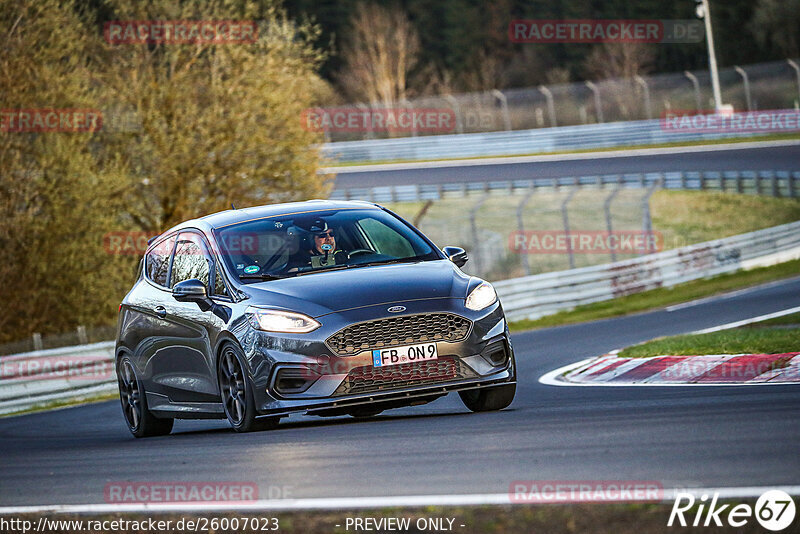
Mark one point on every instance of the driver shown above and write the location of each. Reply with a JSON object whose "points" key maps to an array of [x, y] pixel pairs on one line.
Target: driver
{"points": [[324, 252]]}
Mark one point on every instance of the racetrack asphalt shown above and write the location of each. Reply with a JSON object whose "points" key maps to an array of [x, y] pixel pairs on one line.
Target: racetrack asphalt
{"points": [[678, 436], [710, 158]]}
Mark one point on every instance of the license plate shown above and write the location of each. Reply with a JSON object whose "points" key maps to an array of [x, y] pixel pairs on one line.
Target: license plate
{"points": [[407, 354]]}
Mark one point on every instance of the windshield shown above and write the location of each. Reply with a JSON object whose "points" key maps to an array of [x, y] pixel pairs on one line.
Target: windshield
{"points": [[299, 244]]}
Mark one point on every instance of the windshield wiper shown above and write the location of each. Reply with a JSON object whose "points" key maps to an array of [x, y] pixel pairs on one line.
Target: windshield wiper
{"points": [[386, 262], [261, 276]]}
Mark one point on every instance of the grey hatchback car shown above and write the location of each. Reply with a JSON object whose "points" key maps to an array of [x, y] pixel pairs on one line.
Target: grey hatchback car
{"points": [[321, 307]]}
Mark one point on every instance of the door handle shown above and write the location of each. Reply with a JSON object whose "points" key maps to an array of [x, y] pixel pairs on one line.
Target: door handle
{"points": [[161, 311]]}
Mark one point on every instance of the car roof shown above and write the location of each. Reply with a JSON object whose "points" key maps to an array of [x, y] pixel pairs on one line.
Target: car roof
{"points": [[239, 215]]}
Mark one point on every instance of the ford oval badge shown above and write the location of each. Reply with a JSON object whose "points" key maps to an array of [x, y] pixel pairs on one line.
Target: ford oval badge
{"points": [[396, 309]]}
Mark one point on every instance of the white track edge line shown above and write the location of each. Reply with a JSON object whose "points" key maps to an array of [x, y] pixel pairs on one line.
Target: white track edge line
{"points": [[348, 503], [743, 322]]}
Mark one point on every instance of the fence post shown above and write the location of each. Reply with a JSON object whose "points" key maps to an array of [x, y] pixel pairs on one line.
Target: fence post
{"points": [[796, 68], [746, 81], [565, 220], [647, 221], [368, 110], [474, 227], [607, 211], [457, 110], [37, 341], [641, 81], [521, 226], [551, 106], [504, 106], [597, 104], [410, 107], [83, 339], [696, 84]]}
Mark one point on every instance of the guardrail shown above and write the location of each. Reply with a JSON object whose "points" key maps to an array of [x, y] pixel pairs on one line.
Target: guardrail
{"points": [[765, 182], [507, 143], [43, 377], [531, 297], [37, 378]]}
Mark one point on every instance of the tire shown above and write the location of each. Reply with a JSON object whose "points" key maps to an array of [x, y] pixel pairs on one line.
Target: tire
{"points": [[140, 420], [489, 399], [236, 392]]}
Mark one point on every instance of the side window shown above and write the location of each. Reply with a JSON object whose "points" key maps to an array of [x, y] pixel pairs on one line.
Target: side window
{"points": [[191, 259], [386, 240], [157, 261], [219, 285]]}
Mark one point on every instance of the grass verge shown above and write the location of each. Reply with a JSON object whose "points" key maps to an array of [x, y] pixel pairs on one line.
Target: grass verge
{"points": [[658, 298], [744, 340], [45, 407]]}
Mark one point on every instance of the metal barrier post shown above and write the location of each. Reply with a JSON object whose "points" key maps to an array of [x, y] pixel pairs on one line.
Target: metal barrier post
{"points": [[504, 106], [647, 221], [551, 107], [641, 81], [696, 84], [746, 81], [474, 227], [597, 104], [368, 134], [607, 211], [457, 111], [410, 107], [796, 68], [565, 220], [521, 226]]}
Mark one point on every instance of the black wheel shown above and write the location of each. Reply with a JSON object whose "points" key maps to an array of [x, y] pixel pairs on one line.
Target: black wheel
{"points": [[489, 399], [236, 391], [140, 420]]}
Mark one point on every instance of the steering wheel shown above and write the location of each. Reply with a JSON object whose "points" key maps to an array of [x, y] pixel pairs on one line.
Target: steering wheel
{"points": [[360, 252]]}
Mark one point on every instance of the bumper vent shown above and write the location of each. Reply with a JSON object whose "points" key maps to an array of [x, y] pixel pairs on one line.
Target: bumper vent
{"points": [[370, 379], [396, 331]]}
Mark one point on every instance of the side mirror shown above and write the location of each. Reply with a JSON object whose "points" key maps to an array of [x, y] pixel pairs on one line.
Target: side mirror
{"points": [[457, 255], [190, 291]]}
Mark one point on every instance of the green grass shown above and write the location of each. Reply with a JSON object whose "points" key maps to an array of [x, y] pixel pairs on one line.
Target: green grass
{"points": [[733, 341], [681, 217], [658, 298], [771, 137], [786, 320]]}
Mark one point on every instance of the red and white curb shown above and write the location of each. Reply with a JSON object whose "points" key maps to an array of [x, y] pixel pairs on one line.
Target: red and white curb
{"points": [[709, 370]]}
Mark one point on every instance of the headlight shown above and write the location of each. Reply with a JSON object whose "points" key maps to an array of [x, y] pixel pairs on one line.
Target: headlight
{"points": [[481, 297], [281, 321]]}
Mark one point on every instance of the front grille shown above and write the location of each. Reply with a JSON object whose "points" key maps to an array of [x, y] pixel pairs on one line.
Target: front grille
{"points": [[370, 379], [396, 331]]}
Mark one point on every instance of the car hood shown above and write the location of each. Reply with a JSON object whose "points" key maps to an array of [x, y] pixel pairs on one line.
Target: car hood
{"points": [[328, 292]]}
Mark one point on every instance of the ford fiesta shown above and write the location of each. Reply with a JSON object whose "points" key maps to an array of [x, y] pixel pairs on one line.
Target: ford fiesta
{"points": [[319, 307]]}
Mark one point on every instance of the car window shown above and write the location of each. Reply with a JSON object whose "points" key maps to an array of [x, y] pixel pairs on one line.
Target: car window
{"points": [[192, 259], [157, 262], [386, 240], [219, 284]]}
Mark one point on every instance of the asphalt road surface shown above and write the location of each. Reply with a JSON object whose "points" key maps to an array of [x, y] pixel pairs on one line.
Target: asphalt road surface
{"points": [[680, 436], [688, 159]]}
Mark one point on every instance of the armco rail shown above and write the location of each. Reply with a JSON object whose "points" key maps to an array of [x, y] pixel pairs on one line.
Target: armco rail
{"points": [[536, 141], [55, 375], [531, 297], [775, 183], [37, 378]]}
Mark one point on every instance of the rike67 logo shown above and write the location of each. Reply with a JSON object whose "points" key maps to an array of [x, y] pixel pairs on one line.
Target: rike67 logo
{"points": [[774, 510]]}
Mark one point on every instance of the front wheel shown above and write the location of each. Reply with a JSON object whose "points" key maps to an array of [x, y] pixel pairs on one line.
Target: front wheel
{"points": [[236, 391], [489, 399], [141, 421]]}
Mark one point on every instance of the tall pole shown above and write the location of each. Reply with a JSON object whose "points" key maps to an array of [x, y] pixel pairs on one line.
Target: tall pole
{"points": [[704, 12]]}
